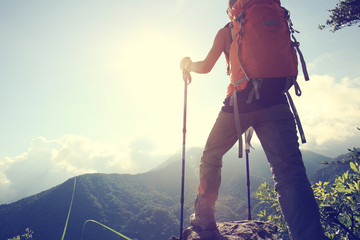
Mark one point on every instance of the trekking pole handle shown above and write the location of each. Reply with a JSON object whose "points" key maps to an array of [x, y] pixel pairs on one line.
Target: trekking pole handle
{"points": [[187, 77]]}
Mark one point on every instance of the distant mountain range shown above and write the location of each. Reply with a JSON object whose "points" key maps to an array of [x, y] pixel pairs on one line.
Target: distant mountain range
{"points": [[142, 206]]}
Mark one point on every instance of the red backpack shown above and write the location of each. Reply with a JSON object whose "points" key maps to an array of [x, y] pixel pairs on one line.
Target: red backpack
{"points": [[262, 47]]}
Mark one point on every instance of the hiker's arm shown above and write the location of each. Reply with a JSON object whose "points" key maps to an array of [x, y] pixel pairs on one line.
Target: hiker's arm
{"points": [[208, 63]]}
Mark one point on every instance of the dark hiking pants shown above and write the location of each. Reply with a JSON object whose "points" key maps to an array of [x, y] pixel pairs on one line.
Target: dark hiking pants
{"points": [[276, 130]]}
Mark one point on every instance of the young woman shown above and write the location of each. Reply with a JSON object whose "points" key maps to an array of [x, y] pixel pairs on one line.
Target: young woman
{"points": [[274, 124]]}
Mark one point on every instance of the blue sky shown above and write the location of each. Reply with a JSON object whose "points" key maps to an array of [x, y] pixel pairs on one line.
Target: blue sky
{"points": [[95, 86]]}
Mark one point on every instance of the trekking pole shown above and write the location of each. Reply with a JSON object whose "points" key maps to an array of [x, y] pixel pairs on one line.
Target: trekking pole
{"points": [[187, 81], [248, 182], [248, 135]]}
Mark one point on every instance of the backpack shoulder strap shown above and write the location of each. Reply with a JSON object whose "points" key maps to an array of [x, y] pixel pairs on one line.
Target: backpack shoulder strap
{"points": [[296, 44]]}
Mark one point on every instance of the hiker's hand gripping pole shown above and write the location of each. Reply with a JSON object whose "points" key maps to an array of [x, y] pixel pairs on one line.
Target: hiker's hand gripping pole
{"points": [[187, 81], [187, 77]]}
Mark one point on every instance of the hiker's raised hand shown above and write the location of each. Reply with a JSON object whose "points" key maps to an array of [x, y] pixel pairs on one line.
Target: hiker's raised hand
{"points": [[185, 64]]}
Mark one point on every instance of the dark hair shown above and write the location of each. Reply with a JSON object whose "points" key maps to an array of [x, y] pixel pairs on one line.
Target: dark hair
{"points": [[231, 2]]}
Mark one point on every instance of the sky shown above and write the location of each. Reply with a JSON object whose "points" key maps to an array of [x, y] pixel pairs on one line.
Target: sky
{"points": [[95, 86]]}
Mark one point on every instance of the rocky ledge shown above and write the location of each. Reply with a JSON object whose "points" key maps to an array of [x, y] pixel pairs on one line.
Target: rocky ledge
{"points": [[237, 230]]}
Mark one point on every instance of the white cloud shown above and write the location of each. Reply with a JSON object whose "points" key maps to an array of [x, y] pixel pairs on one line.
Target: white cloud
{"points": [[50, 162], [324, 58], [330, 111]]}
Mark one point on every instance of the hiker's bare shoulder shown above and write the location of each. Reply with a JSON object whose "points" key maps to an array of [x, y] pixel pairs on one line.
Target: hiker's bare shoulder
{"points": [[224, 33], [223, 38]]}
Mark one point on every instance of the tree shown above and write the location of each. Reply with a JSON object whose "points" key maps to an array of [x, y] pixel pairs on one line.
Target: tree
{"points": [[346, 13], [339, 203], [271, 210], [26, 236]]}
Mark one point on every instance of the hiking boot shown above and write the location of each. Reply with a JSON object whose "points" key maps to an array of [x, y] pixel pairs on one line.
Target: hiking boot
{"points": [[203, 223]]}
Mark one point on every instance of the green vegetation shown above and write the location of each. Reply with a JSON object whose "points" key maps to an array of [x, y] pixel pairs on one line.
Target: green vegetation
{"points": [[339, 203], [104, 226], [68, 216], [27, 235], [272, 211], [346, 13]]}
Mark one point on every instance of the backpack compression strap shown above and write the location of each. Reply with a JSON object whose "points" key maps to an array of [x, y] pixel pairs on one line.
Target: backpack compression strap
{"points": [[238, 124], [297, 118], [296, 44], [237, 121], [291, 103], [291, 81]]}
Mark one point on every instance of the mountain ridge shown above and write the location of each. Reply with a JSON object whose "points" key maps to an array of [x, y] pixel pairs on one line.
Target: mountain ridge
{"points": [[136, 205]]}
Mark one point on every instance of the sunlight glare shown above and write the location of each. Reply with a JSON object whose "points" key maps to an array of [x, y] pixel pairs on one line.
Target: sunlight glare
{"points": [[153, 82]]}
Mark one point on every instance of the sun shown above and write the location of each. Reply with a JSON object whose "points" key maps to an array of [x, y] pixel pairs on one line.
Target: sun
{"points": [[150, 61], [147, 63]]}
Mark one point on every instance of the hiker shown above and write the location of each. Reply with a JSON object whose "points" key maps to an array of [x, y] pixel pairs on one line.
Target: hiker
{"points": [[274, 124]]}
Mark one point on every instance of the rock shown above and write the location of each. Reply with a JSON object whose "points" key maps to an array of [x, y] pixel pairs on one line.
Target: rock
{"points": [[237, 230]]}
